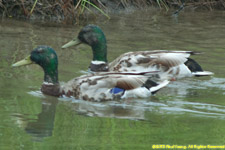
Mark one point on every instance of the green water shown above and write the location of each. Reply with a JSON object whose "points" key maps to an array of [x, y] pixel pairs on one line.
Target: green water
{"points": [[189, 111]]}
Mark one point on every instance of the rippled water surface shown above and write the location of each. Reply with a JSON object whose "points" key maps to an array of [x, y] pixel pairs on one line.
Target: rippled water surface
{"points": [[188, 111]]}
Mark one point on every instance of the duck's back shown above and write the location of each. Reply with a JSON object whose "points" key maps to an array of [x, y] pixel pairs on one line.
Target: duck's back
{"points": [[170, 63]]}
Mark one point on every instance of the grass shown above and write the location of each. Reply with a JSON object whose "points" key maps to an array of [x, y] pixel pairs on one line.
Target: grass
{"points": [[84, 2], [33, 7], [75, 10], [161, 2]]}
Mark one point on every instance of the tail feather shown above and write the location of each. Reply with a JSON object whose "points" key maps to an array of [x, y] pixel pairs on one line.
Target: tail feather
{"points": [[195, 53], [196, 69], [156, 88], [202, 73], [188, 52], [193, 65]]}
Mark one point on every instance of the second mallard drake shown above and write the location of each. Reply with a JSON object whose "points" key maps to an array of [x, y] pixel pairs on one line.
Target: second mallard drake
{"points": [[172, 64], [92, 87]]}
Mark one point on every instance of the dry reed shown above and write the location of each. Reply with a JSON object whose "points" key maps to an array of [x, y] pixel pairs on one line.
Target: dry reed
{"points": [[74, 10]]}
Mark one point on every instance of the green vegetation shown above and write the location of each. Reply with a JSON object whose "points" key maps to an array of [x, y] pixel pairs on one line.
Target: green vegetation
{"points": [[75, 10]]}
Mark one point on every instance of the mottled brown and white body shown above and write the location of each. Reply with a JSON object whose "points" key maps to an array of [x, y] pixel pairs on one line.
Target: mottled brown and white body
{"points": [[92, 87], [171, 64], [99, 87]]}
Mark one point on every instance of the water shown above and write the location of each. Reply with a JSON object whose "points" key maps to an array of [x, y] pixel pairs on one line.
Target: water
{"points": [[189, 111]]}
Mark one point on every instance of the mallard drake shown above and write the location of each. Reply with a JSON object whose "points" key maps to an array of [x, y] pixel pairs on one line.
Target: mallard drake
{"points": [[172, 64], [92, 87]]}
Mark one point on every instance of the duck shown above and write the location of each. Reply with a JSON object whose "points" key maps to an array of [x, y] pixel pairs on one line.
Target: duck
{"points": [[171, 64], [102, 86]]}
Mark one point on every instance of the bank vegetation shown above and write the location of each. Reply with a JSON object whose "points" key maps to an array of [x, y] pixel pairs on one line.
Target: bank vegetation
{"points": [[75, 10]]}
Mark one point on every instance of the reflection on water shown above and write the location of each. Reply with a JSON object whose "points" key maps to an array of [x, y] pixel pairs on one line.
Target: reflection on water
{"points": [[187, 111], [127, 109], [136, 109], [43, 125]]}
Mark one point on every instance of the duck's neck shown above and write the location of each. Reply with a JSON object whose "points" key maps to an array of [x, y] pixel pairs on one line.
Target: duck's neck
{"points": [[51, 85], [100, 51], [51, 75], [99, 62]]}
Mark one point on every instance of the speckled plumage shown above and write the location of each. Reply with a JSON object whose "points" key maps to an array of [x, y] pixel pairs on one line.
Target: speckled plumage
{"points": [[171, 64], [91, 87], [98, 87]]}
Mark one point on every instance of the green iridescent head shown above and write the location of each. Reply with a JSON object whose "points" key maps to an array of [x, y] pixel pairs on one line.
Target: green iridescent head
{"points": [[93, 36], [45, 57]]}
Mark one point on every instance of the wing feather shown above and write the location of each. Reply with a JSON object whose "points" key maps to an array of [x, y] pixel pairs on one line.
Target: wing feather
{"points": [[170, 59], [130, 83], [143, 58]]}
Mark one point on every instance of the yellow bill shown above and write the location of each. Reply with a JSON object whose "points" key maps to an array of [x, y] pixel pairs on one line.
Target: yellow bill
{"points": [[23, 62], [74, 42]]}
